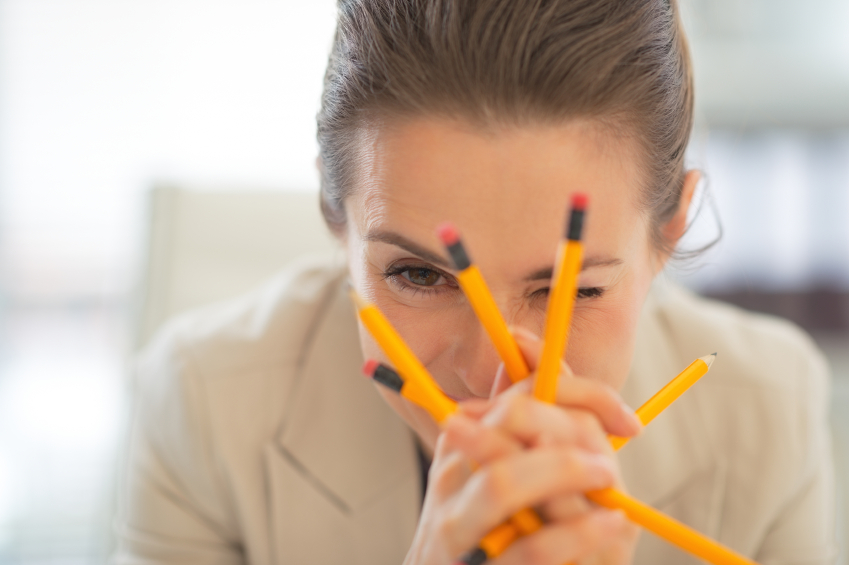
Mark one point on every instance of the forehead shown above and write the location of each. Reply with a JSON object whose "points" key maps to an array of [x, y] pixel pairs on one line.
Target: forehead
{"points": [[507, 186]]}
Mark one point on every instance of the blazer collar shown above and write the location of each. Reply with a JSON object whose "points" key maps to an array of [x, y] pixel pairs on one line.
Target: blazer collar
{"points": [[339, 431]]}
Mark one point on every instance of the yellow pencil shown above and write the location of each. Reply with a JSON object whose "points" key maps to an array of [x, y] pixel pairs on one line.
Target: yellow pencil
{"points": [[668, 528], [561, 301], [484, 305], [428, 396], [668, 394], [558, 318], [524, 522], [424, 390], [497, 540], [426, 393]]}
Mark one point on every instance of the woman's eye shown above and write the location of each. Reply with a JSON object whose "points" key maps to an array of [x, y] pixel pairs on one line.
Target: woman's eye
{"points": [[421, 276], [593, 292], [587, 292]]}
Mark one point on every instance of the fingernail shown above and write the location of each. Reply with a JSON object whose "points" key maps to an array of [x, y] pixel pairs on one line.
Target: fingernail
{"points": [[611, 519], [634, 421], [519, 331]]}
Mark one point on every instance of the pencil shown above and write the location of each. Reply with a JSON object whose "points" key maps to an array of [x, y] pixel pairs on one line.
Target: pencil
{"points": [[524, 522], [668, 528], [561, 301], [668, 394], [676, 533], [424, 391], [477, 292]]}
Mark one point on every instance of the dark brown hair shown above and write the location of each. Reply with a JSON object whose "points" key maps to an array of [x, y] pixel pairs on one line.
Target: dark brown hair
{"points": [[622, 63]]}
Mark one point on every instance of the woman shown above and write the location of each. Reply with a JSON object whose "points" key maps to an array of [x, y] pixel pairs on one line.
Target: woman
{"points": [[257, 442]]}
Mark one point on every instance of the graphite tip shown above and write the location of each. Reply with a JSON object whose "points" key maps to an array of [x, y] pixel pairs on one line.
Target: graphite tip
{"points": [[709, 359]]}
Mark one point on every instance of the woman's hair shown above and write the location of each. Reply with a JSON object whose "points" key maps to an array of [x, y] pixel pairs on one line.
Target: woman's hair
{"points": [[623, 64]]}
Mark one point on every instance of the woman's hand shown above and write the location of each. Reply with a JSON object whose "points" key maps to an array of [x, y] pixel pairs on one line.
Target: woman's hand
{"points": [[528, 454]]}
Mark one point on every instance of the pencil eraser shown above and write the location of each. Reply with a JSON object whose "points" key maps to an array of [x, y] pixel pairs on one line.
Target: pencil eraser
{"points": [[448, 234], [579, 201], [370, 366]]}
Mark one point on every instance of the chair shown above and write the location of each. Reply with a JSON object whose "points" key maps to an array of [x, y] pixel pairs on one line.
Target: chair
{"points": [[209, 245]]}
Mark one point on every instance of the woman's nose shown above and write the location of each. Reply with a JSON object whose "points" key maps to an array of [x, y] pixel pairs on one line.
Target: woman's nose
{"points": [[476, 359]]}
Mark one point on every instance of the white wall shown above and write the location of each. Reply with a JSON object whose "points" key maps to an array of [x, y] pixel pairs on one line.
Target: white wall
{"points": [[770, 63], [99, 98]]}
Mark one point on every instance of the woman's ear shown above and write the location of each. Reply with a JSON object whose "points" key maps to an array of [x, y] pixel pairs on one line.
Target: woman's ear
{"points": [[675, 227], [677, 224]]}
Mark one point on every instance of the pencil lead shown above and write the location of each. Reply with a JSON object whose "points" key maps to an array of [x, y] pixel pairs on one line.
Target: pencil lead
{"points": [[709, 359]]}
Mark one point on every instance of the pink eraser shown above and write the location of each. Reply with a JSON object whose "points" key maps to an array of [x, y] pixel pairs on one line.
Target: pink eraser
{"points": [[448, 233], [579, 201], [370, 366]]}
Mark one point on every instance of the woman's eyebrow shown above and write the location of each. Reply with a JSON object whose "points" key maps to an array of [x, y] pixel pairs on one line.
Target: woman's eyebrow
{"points": [[547, 272], [399, 240]]}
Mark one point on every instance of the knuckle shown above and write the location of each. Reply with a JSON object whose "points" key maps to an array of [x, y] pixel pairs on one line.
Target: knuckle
{"points": [[511, 412], [445, 443], [449, 523], [599, 394], [448, 529], [588, 423], [569, 459], [533, 550], [496, 483], [444, 475], [518, 408]]}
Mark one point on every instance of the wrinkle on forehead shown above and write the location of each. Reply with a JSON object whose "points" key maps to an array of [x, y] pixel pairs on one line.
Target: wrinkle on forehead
{"points": [[367, 191], [373, 204]]}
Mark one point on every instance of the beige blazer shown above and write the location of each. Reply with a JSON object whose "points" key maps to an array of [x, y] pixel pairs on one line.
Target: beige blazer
{"points": [[256, 440]]}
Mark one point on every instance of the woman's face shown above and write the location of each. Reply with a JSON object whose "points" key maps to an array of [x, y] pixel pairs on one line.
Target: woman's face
{"points": [[507, 191]]}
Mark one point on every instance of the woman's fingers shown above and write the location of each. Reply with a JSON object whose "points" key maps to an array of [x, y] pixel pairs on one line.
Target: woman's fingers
{"points": [[579, 392], [479, 443], [616, 416], [535, 423], [566, 542], [562, 508], [528, 478]]}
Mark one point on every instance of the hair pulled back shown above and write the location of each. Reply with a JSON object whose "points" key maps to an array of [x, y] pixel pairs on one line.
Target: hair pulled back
{"points": [[622, 63]]}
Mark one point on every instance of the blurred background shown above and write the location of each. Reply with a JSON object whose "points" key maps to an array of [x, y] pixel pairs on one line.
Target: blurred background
{"points": [[137, 139]]}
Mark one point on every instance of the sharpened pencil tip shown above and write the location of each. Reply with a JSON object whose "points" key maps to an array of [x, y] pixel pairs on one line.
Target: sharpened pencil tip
{"points": [[709, 359]]}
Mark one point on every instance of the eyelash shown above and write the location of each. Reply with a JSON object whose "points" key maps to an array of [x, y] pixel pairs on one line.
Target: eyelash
{"points": [[394, 273]]}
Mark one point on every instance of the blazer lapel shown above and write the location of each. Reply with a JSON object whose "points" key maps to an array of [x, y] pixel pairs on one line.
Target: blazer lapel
{"points": [[343, 470]]}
